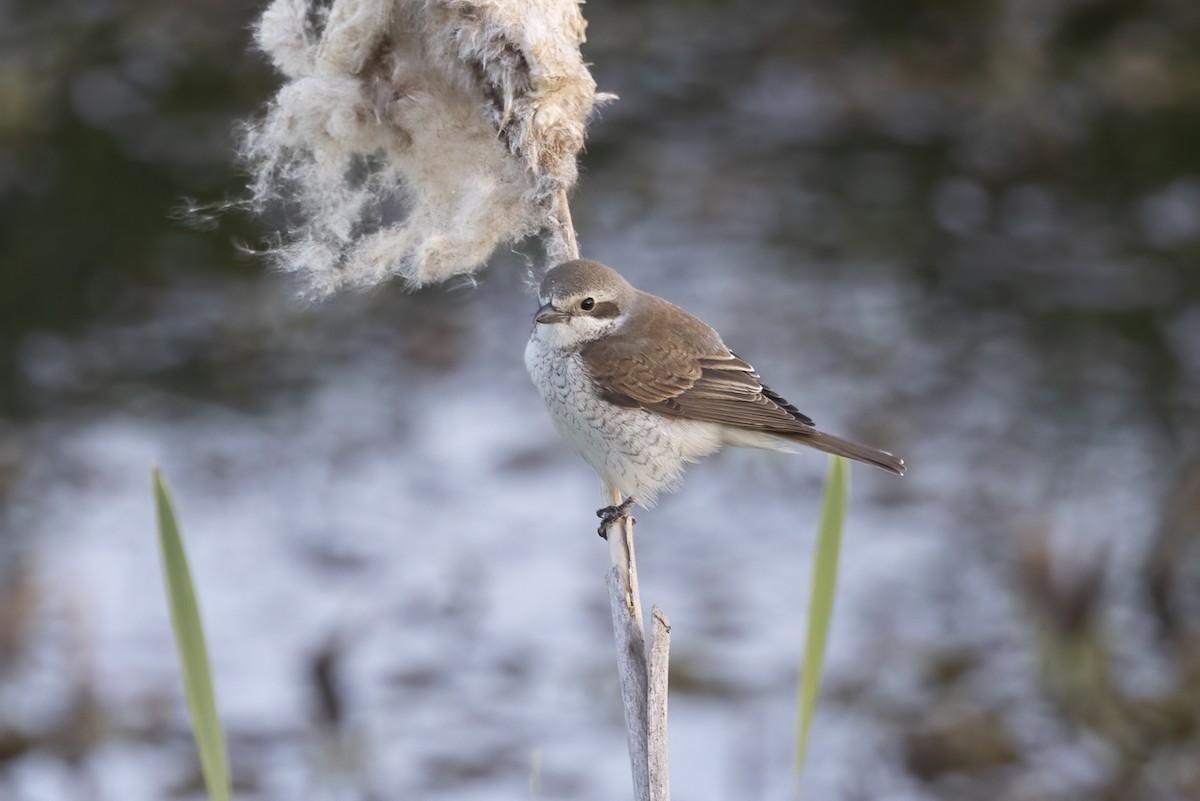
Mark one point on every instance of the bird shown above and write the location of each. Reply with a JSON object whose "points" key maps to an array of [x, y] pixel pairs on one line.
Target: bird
{"points": [[640, 388]]}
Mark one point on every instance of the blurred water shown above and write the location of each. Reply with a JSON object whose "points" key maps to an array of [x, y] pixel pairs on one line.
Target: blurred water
{"points": [[939, 248]]}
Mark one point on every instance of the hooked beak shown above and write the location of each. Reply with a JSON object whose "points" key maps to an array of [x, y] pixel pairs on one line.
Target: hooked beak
{"points": [[549, 314]]}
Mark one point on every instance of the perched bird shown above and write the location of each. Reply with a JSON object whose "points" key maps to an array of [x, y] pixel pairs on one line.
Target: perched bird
{"points": [[640, 388]]}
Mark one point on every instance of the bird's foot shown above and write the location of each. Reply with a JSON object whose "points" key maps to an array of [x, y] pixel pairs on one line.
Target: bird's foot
{"points": [[611, 514]]}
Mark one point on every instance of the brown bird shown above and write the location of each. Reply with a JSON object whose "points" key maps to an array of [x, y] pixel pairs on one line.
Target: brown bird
{"points": [[640, 388]]}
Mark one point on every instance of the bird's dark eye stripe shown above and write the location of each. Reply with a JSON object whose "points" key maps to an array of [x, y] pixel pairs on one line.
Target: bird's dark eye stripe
{"points": [[606, 309], [587, 304]]}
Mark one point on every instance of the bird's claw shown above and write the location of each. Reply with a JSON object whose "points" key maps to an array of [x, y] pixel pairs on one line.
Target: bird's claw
{"points": [[611, 514]]}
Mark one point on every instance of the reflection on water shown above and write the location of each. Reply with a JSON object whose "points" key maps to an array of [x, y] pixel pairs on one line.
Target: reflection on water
{"points": [[967, 234]]}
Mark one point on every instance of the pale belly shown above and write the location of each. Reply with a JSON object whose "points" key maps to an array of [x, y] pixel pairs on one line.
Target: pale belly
{"points": [[638, 452]]}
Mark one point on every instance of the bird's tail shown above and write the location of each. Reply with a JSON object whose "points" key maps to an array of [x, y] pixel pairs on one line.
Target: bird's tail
{"points": [[851, 450]]}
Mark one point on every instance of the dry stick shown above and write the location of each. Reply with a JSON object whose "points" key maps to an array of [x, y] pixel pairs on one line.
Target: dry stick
{"points": [[629, 632], [656, 706], [631, 667], [563, 246]]}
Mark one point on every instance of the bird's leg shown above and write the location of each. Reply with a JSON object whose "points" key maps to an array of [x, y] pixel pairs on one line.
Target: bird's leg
{"points": [[611, 514]]}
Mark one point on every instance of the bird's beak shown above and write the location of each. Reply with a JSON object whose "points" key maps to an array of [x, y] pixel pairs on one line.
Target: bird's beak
{"points": [[549, 314]]}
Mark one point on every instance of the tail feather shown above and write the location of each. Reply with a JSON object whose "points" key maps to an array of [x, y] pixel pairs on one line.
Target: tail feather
{"points": [[851, 450]]}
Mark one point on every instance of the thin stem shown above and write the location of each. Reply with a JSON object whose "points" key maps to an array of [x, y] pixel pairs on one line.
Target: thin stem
{"points": [[656, 706], [629, 632], [562, 244], [631, 667]]}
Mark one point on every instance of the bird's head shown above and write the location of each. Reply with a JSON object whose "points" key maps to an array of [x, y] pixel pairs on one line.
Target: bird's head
{"points": [[582, 301]]}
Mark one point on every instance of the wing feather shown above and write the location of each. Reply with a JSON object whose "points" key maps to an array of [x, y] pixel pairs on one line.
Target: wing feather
{"points": [[685, 370], [673, 364]]}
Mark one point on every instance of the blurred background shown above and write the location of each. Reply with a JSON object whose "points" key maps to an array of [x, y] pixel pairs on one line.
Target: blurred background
{"points": [[968, 232]]}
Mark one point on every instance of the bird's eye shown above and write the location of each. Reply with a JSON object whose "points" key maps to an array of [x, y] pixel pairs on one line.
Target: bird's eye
{"points": [[587, 304]]}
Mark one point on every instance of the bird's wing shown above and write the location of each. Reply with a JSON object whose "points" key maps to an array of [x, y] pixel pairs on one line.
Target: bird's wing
{"points": [[688, 372]]}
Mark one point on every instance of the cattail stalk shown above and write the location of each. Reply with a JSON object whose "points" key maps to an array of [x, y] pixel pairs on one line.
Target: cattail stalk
{"points": [[643, 680]]}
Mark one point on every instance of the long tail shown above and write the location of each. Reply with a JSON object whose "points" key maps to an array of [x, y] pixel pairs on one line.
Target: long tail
{"points": [[851, 450]]}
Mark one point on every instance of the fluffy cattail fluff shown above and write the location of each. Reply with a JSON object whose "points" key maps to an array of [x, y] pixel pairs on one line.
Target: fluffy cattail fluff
{"points": [[412, 137]]}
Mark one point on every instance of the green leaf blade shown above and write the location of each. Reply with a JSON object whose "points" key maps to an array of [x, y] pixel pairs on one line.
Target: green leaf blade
{"points": [[820, 609], [193, 652]]}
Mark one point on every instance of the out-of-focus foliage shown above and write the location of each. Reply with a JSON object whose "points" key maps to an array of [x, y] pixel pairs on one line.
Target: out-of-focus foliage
{"points": [[112, 115]]}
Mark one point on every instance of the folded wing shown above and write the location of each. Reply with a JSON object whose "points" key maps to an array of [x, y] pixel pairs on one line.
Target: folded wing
{"points": [[687, 372]]}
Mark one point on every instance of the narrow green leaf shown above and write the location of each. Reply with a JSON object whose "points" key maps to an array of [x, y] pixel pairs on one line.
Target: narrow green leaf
{"points": [[820, 607], [193, 654]]}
